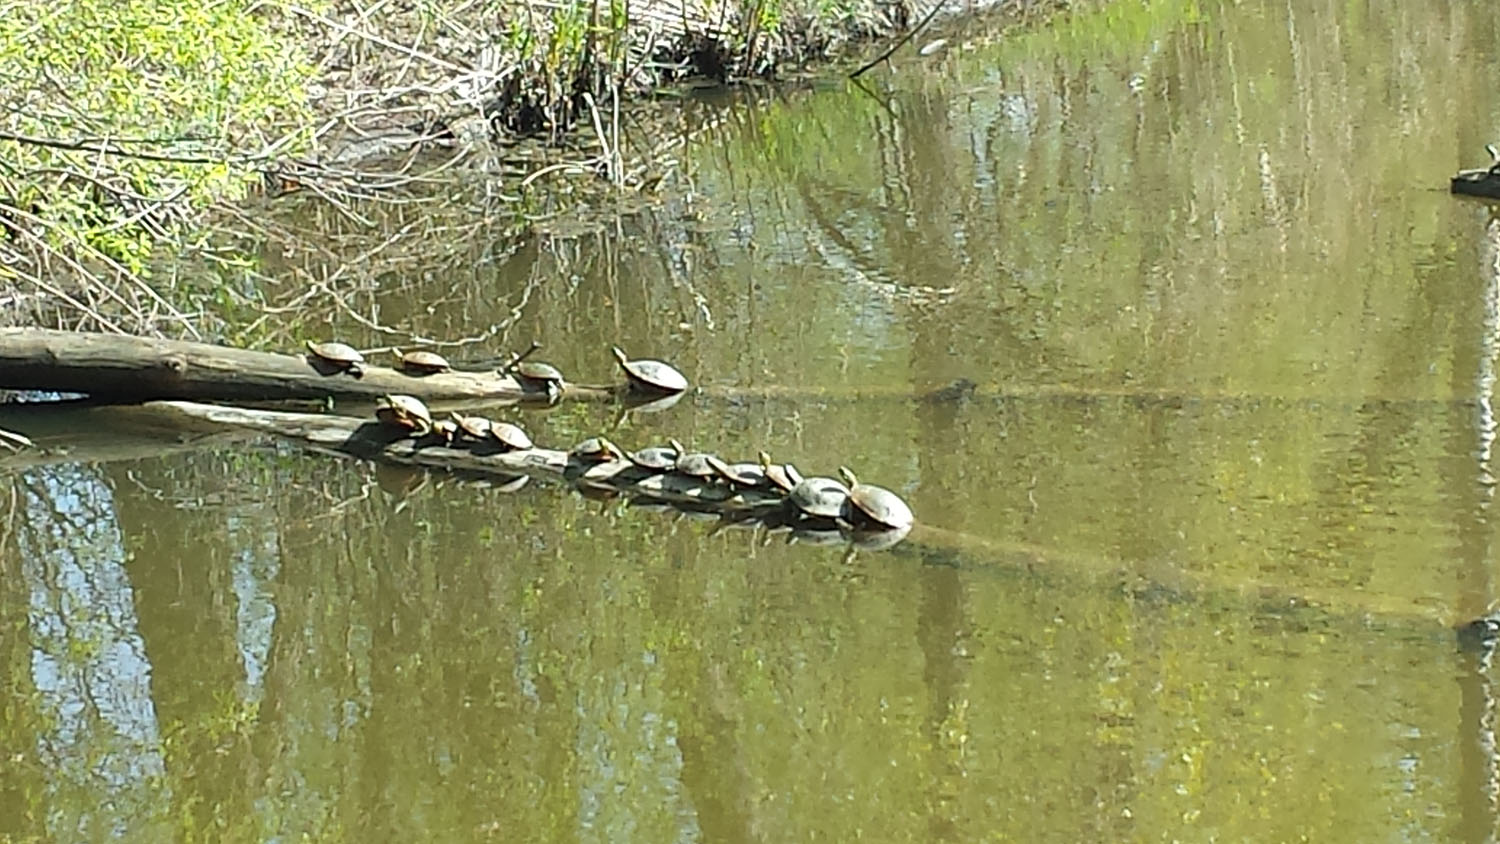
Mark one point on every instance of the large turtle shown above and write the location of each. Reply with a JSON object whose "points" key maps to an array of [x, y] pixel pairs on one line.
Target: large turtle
{"points": [[651, 376], [869, 505]]}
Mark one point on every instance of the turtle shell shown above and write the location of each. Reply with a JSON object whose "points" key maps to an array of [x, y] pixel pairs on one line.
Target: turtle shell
{"points": [[657, 458], [596, 450], [405, 411], [819, 498], [535, 370], [338, 357], [744, 475], [693, 464], [512, 437], [423, 362], [477, 427], [868, 504], [651, 375]]}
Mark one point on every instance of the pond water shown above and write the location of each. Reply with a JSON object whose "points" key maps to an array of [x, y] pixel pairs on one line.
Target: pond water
{"points": [[1187, 558]]}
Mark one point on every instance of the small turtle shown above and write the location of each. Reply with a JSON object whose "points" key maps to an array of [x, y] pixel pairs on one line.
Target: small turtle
{"points": [[422, 362], [477, 427], [782, 476], [445, 430], [535, 375], [657, 458], [694, 464], [596, 450], [651, 376], [818, 498], [404, 411], [337, 357], [510, 437], [741, 475], [867, 504]]}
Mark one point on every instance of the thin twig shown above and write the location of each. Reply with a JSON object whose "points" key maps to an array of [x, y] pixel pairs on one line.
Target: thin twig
{"points": [[931, 13]]}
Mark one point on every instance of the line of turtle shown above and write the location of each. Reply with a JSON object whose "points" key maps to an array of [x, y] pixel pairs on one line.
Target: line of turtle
{"points": [[645, 377], [815, 499], [847, 501]]}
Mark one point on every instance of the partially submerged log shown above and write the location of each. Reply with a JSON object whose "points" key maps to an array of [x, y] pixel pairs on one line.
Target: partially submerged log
{"points": [[139, 368], [174, 422], [369, 439]]}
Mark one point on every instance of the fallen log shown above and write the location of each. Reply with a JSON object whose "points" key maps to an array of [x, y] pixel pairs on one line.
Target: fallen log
{"points": [[112, 366], [135, 369], [369, 439], [176, 421]]}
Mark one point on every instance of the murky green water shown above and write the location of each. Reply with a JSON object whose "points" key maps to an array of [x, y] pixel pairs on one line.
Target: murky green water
{"points": [[1186, 556]]}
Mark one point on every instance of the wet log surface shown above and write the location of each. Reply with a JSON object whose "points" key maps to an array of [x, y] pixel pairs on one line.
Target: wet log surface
{"points": [[141, 368]]}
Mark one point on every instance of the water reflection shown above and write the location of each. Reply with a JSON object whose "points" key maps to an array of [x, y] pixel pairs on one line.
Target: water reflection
{"points": [[101, 743]]}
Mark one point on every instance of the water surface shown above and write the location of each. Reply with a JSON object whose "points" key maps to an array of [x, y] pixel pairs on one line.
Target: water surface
{"points": [[1187, 554]]}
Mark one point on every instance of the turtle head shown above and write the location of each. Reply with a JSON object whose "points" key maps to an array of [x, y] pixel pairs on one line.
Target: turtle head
{"points": [[620, 355], [848, 476]]}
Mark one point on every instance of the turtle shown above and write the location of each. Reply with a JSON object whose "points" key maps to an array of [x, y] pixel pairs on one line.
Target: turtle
{"points": [[694, 464], [780, 476], [534, 375], [818, 498], [422, 362], [445, 430], [657, 458], [596, 450], [510, 437], [650, 376], [477, 427], [867, 504], [741, 475], [404, 411], [337, 357]]}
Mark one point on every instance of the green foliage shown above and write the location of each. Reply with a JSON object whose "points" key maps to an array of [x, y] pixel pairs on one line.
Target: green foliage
{"points": [[195, 83]]}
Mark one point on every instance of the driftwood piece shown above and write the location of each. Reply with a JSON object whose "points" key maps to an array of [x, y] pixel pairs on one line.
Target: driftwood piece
{"points": [[140, 368]]}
